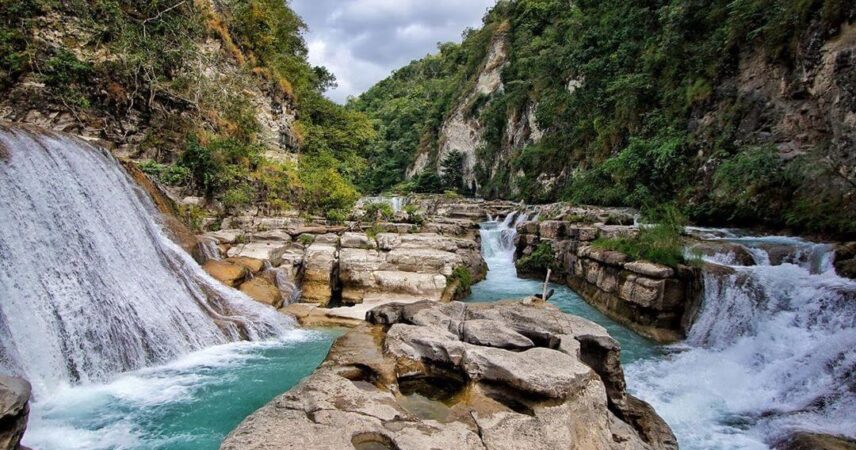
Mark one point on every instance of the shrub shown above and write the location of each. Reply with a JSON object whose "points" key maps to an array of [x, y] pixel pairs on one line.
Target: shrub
{"points": [[465, 281], [660, 243], [379, 211], [413, 215], [540, 260]]}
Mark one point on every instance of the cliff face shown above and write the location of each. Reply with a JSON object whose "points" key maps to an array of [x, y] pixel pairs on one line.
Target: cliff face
{"points": [[216, 98], [86, 76], [741, 113]]}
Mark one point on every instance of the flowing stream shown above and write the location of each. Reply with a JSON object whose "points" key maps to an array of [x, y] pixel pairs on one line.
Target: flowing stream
{"points": [[127, 342], [771, 352]]}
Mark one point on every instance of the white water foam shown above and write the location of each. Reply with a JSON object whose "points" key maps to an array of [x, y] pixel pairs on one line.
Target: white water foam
{"points": [[114, 415], [91, 285], [772, 352]]}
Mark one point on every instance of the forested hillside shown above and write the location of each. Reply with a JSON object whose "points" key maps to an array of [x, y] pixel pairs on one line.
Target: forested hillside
{"points": [[739, 111], [215, 97]]}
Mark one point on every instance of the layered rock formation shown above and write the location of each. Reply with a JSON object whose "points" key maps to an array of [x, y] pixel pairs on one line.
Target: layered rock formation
{"points": [[653, 300], [481, 376], [14, 411]]}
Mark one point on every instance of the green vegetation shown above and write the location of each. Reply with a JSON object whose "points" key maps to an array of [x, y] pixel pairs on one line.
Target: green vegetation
{"points": [[413, 215], [452, 168], [113, 62], [620, 89], [465, 281], [658, 242], [541, 259], [379, 211]]}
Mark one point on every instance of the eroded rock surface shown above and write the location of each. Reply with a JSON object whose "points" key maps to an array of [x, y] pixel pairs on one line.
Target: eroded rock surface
{"points": [[14, 411], [430, 375]]}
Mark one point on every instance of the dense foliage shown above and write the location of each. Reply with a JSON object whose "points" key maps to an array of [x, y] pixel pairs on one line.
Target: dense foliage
{"points": [[110, 60], [620, 88]]}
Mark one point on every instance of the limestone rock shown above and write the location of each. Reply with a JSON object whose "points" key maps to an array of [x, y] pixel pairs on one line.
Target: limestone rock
{"points": [[539, 371], [490, 333], [650, 269], [14, 411], [357, 240], [319, 277], [252, 264], [266, 251], [226, 272], [419, 385], [263, 291]]}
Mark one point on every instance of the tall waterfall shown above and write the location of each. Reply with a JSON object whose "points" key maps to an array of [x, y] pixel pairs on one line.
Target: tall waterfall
{"points": [[771, 352], [89, 283]]}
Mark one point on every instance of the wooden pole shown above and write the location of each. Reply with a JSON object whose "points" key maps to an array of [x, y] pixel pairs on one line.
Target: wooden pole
{"points": [[546, 283]]}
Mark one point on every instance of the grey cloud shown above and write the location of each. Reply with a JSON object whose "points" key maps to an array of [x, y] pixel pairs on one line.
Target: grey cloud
{"points": [[363, 41]]}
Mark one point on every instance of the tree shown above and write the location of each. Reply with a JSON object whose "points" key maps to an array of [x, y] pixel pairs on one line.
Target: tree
{"points": [[452, 171]]}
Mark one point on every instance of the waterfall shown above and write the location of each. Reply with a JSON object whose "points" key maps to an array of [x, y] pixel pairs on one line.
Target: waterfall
{"points": [[497, 238], [90, 284], [771, 352]]}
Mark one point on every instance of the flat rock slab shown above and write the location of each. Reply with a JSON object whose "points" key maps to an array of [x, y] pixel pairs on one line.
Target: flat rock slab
{"points": [[490, 333]]}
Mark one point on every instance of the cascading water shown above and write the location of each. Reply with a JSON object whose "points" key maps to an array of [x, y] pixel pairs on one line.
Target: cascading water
{"points": [[90, 284], [502, 283], [771, 351]]}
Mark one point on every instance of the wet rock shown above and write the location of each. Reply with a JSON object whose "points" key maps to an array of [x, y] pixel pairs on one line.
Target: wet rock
{"points": [[815, 441], [14, 411]]}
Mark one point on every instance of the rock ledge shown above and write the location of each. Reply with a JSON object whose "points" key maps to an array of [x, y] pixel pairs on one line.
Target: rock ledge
{"points": [[468, 376]]}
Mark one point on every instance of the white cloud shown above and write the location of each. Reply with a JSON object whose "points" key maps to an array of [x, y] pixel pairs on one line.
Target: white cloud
{"points": [[363, 41]]}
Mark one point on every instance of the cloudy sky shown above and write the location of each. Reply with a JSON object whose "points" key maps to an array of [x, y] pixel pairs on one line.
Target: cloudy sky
{"points": [[363, 41]]}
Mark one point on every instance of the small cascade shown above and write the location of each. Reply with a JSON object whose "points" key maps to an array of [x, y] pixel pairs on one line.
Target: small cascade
{"points": [[497, 238], [90, 284], [771, 351]]}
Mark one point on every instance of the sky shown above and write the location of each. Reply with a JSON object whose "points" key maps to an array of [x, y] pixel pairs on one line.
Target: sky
{"points": [[363, 41]]}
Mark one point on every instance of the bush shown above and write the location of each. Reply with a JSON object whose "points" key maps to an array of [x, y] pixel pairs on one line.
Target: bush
{"points": [[660, 243], [465, 281], [169, 174], [379, 211], [540, 260], [413, 215]]}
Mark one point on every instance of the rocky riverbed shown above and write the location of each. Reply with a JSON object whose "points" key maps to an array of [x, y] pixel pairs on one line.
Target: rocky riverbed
{"points": [[475, 376]]}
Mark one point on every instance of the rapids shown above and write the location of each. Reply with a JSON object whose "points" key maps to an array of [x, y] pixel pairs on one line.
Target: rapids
{"points": [[771, 351]]}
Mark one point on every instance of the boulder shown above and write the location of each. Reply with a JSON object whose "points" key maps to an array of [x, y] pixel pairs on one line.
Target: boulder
{"points": [[14, 411], [357, 240], [252, 264], [490, 333], [228, 273], [225, 236], [319, 274], [552, 229], [263, 291], [539, 371], [266, 251], [816, 441]]}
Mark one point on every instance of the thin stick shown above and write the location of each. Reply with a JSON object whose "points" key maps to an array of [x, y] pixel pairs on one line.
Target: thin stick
{"points": [[546, 282]]}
